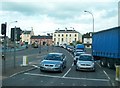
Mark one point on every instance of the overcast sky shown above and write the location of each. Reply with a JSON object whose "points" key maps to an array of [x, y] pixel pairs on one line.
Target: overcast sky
{"points": [[48, 15]]}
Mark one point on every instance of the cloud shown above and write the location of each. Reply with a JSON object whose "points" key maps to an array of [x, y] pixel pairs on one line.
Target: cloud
{"points": [[46, 15]]}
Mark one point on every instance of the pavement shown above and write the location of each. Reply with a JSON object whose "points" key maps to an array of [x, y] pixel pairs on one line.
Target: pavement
{"points": [[12, 49], [21, 69]]}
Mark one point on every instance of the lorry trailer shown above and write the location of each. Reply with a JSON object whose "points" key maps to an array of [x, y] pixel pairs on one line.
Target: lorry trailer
{"points": [[106, 47]]}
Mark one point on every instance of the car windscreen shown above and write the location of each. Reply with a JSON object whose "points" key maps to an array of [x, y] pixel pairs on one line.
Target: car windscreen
{"points": [[77, 54], [85, 58], [53, 57]]}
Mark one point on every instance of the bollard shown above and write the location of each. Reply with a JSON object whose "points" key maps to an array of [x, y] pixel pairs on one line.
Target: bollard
{"points": [[25, 61], [118, 73]]}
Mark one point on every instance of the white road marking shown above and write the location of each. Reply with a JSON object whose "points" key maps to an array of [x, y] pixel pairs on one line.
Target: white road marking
{"points": [[90, 79], [66, 72], [106, 74], [42, 75], [98, 65], [23, 78], [62, 83], [73, 64], [73, 84], [35, 66], [20, 72], [41, 81]]}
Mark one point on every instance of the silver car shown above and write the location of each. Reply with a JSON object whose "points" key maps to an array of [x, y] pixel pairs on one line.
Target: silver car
{"points": [[77, 55], [53, 62], [85, 62]]}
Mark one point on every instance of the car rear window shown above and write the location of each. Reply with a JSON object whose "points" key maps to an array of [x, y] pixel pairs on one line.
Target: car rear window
{"points": [[53, 57], [86, 58]]}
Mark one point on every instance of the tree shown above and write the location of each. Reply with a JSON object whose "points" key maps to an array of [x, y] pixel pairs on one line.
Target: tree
{"points": [[78, 42]]}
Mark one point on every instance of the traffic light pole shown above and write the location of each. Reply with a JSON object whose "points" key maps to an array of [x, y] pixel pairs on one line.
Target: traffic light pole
{"points": [[4, 57], [4, 51], [15, 47]]}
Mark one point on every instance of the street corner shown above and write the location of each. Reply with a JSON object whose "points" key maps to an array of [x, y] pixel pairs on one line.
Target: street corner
{"points": [[15, 71]]}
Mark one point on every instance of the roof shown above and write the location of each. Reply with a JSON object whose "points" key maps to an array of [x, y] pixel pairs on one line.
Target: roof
{"points": [[26, 32], [87, 35], [86, 54], [114, 28], [41, 37], [66, 31], [56, 53]]}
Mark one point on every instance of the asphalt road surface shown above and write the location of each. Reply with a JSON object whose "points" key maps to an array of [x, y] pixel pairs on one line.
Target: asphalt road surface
{"points": [[69, 77]]}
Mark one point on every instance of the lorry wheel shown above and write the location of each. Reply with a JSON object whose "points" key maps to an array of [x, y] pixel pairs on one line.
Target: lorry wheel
{"points": [[110, 63], [103, 62]]}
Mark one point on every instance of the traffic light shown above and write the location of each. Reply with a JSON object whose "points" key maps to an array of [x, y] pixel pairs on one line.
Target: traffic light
{"points": [[12, 34], [15, 34], [3, 29]]}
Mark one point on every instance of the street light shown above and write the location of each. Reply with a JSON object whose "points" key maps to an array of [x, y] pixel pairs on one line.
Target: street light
{"points": [[9, 25], [92, 17], [93, 27], [8, 29]]}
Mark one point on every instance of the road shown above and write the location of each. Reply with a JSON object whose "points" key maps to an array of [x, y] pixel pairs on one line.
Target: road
{"points": [[69, 77]]}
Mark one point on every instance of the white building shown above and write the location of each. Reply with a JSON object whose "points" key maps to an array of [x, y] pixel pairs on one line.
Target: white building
{"points": [[26, 35], [87, 40], [66, 37]]}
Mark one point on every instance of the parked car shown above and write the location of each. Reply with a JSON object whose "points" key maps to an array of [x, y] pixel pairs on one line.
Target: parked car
{"points": [[76, 57], [53, 62], [85, 62]]}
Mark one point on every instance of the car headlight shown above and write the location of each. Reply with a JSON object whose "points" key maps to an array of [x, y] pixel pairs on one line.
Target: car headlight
{"points": [[57, 65], [78, 64], [93, 64], [41, 64]]}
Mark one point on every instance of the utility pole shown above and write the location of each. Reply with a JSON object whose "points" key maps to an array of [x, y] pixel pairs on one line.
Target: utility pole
{"points": [[40, 47], [15, 37], [3, 32]]}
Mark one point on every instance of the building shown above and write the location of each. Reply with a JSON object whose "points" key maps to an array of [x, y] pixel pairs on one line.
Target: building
{"points": [[26, 35], [66, 36], [42, 40], [87, 40]]}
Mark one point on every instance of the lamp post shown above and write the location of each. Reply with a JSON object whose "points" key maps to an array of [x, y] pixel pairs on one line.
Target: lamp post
{"points": [[93, 27], [92, 18], [8, 29]]}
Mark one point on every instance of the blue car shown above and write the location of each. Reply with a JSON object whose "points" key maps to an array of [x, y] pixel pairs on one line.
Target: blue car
{"points": [[53, 62]]}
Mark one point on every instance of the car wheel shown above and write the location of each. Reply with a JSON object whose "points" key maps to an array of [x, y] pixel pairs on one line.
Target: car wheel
{"points": [[65, 66], [61, 69], [76, 68], [93, 70], [41, 70]]}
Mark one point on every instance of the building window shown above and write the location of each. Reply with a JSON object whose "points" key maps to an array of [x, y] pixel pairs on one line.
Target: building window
{"points": [[59, 35], [70, 35], [58, 39], [54, 34], [70, 40], [75, 39], [62, 35], [62, 39], [88, 45], [66, 35], [75, 35], [88, 42], [54, 39]]}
